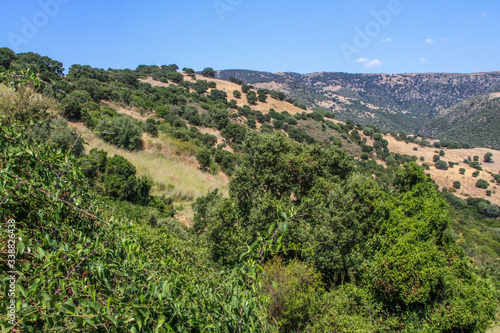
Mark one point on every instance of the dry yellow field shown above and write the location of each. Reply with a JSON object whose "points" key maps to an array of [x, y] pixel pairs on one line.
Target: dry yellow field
{"points": [[445, 178], [229, 87]]}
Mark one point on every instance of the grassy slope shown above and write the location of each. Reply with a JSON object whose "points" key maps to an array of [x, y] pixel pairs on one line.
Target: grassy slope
{"points": [[172, 167]]}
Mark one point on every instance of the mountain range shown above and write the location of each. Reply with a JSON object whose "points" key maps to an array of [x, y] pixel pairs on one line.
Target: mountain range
{"points": [[415, 103]]}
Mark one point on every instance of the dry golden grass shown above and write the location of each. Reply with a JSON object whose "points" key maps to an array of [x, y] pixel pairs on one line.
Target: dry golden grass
{"points": [[172, 167], [445, 178], [229, 87]]}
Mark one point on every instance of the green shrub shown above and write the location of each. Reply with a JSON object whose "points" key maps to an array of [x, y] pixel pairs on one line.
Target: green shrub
{"points": [[481, 183], [462, 171], [441, 165], [120, 131], [204, 159], [457, 184], [436, 158], [475, 174]]}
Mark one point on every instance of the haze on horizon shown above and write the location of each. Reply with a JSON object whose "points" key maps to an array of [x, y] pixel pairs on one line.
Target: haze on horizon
{"points": [[389, 36]]}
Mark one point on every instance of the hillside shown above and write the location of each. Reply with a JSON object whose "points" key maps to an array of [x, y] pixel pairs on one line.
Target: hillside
{"points": [[389, 101], [476, 121], [154, 200]]}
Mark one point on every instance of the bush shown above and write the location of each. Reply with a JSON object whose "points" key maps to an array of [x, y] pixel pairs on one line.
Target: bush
{"points": [[441, 165], [492, 211], [488, 157], [481, 183], [252, 98], [123, 132], [208, 72], [237, 94], [292, 291], [475, 174], [462, 171], [436, 158], [497, 177], [441, 153], [488, 193], [422, 158], [457, 185], [204, 159], [365, 156]]}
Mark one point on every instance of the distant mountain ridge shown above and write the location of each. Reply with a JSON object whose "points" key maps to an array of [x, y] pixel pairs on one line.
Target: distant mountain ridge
{"points": [[389, 101]]}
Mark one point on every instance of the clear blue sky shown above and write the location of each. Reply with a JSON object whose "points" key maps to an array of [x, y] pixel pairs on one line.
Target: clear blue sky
{"points": [[275, 35]]}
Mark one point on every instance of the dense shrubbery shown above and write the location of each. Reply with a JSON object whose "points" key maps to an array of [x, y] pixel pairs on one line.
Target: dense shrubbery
{"points": [[120, 131]]}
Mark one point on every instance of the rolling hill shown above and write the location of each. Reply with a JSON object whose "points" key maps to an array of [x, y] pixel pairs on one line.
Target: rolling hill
{"points": [[389, 101], [476, 121]]}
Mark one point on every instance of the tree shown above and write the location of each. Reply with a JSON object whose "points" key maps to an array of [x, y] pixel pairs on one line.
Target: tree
{"points": [[436, 158], [252, 97], [278, 95], [120, 131], [208, 72], [237, 94], [234, 133], [481, 183], [488, 157], [262, 97], [462, 171], [441, 165], [457, 184], [245, 88], [216, 94], [6, 57], [200, 86], [204, 159], [441, 153]]}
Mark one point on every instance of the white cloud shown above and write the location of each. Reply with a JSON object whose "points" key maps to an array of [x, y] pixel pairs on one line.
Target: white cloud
{"points": [[422, 61], [429, 41], [385, 40], [363, 60], [375, 63]]}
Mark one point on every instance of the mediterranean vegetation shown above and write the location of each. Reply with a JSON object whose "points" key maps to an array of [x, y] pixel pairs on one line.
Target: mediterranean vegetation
{"points": [[307, 237]]}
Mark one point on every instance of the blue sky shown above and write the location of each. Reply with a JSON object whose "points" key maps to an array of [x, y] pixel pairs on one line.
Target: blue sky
{"points": [[387, 36]]}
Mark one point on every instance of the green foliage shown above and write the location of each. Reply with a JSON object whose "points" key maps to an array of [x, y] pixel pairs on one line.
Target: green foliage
{"points": [[481, 183], [237, 94], [441, 153], [488, 157], [208, 72], [462, 171], [441, 165], [252, 97], [120, 131], [497, 177], [457, 184], [234, 133], [6, 58], [292, 291], [435, 158], [204, 159], [56, 133], [475, 174]]}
